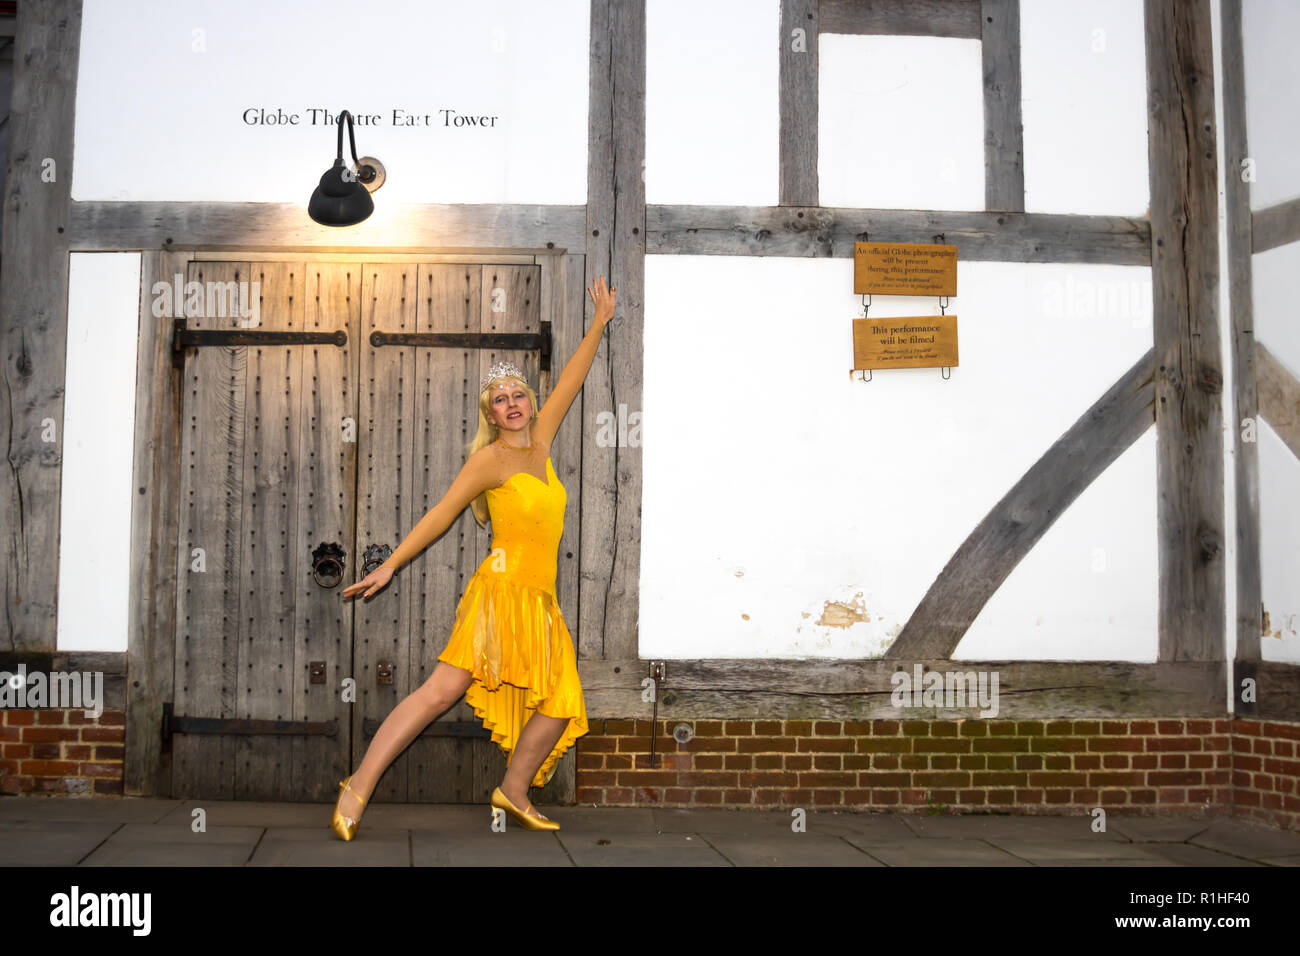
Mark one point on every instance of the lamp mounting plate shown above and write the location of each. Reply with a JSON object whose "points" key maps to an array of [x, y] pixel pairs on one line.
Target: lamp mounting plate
{"points": [[380, 173]]}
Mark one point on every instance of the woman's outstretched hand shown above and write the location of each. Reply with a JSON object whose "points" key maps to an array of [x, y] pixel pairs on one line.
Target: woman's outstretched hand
{"points": [[376, 580], [603, 297]]}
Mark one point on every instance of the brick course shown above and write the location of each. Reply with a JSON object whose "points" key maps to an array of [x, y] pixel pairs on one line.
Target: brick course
{"points": [[1245, 768], [1195, 766], [58, 751]]}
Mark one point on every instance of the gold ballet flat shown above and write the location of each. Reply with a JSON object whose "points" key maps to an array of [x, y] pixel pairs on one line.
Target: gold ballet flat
{"points": [[530, 822], [345, 827]]}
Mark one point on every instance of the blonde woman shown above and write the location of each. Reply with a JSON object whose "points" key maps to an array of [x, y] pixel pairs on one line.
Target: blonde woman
{"points": [[510, 653]]}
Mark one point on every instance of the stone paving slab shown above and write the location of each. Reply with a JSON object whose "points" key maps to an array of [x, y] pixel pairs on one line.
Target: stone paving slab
{"points": [[788, 849], [512, 847], [940, 852], [1157, 829], [133, 831], [87, 809], [995, 828], [1038, 850], [1242, 839], [1148, 861], [683, 820], [640, 849], [42, 843], [319, 846], [866, 828], [242, 813], [137, 844], [1187, 854]]}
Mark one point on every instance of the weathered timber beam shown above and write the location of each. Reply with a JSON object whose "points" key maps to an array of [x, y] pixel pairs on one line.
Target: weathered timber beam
{"points": [[107, 226], [34, 315], [1022, 517], [610, 544], [830, 232], [1004, 170], [929, 18], [798, 102], [155, 531], [1241, 313], [1275, 226], [1183, 175], [1279, 397], [862, 689], [1278, 691]]}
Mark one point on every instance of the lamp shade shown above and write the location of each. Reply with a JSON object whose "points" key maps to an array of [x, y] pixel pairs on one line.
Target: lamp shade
{"points": [[340, 200]]}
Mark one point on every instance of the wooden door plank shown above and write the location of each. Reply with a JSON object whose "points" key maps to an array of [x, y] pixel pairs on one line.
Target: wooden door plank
{"points": [[271, 563], [212, 485], [389, 467], [326, 511]]}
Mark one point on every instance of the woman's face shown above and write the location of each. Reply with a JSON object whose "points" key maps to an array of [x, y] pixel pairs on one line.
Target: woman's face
{"points": [[509, 407]]}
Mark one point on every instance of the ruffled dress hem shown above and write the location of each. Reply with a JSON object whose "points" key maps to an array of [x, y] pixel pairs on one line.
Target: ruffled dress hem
{"points": [[513, 639]]}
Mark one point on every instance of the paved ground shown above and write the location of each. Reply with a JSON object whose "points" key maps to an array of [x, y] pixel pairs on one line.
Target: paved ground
{"points": [[70, 831]]}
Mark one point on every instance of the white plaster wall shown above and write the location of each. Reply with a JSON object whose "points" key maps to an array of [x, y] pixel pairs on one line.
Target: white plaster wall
{"points": [[159, 105], [1279, 530], [775, 488], [1083, 80], [1277, 326], [1270, 29], [98, 435], [900, 122], [1276, 301], [712, 94]]}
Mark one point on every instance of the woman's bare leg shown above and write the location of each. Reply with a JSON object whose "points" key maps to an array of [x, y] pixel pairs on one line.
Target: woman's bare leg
{"points": [[535, 743], [446, 685]]}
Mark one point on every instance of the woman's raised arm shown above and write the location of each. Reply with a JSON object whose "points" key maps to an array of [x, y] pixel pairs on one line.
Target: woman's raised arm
{"points": [[475, 477], [575, 372]]}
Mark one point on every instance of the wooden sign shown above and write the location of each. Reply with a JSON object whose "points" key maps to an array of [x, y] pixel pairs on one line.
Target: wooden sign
{"points": [[904, 268], [915, 341]]}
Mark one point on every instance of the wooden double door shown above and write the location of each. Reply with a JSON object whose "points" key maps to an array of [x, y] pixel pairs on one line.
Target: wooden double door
{"points": [[300, 460]]}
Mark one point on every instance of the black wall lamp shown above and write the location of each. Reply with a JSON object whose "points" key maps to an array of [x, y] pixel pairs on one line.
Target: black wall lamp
{"points": [[343, 196]]}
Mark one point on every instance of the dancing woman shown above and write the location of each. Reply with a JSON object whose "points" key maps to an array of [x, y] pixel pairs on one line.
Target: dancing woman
{"points": [[510, 653]]}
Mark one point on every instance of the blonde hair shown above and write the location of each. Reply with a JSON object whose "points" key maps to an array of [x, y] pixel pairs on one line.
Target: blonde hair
{"points": [[488, 433]]}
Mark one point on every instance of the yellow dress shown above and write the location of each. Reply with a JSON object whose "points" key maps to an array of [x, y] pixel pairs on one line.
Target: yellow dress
{"points": [[509, 631]]}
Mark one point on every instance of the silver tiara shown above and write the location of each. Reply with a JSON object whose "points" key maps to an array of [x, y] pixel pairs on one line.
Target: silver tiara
{"points": [[501, 370]]}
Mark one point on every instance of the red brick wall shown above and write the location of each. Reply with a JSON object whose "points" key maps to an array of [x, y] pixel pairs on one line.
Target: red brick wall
{"points": [[61, 751], [1248, 768], [1020, 766], [1265, 771]]}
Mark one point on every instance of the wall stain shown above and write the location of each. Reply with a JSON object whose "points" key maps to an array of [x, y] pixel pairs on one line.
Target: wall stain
{"points": [[844, 613]]}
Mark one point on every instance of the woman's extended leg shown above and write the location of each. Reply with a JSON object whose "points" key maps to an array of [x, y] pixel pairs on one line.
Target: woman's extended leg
{"points": [[446, 685], [535, 743]]}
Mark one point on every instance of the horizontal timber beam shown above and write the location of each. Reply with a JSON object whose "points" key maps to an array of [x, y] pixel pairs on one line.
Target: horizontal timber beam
{"points": [[1277, 690], [830, 233], [861, 689], [111, 226], [928, 18], [1275, 226]]}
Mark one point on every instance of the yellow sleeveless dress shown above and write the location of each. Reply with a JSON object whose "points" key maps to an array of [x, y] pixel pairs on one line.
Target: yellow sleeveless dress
{"points": [[509, 632]]}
